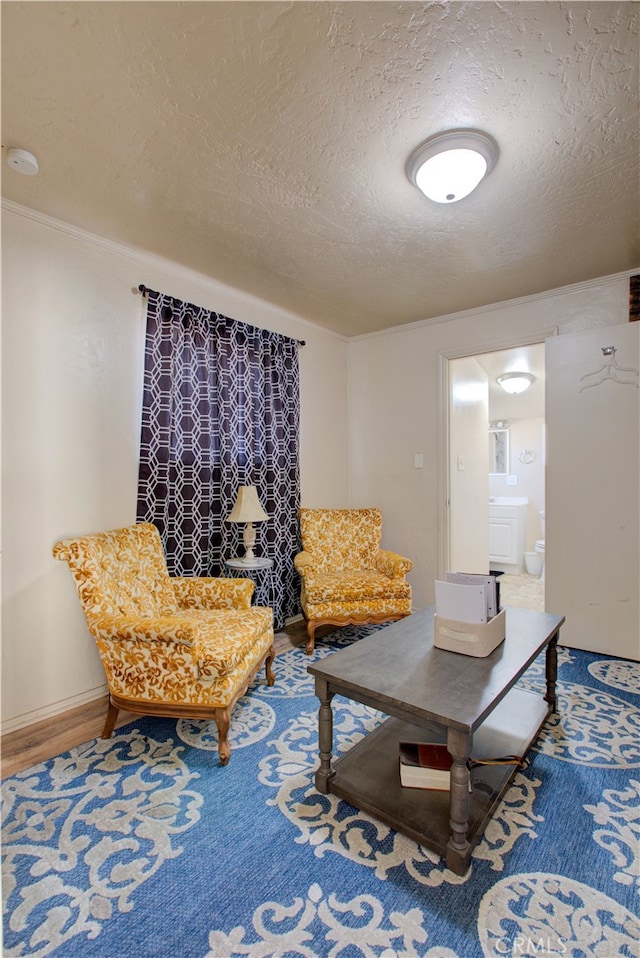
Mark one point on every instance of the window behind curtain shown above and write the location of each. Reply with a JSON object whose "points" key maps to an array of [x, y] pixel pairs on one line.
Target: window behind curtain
{"points": [[221, 409]]}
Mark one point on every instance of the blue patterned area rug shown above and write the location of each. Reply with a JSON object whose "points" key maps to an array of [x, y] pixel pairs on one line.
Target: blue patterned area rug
{"points": [[144, 846]]}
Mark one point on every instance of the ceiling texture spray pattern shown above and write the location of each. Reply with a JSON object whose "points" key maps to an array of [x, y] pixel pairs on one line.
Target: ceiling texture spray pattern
{"points": [[264, 144]]}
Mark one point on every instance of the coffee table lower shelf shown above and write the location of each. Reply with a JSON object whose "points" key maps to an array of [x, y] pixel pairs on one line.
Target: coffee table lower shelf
{"points": [[368, 777]]}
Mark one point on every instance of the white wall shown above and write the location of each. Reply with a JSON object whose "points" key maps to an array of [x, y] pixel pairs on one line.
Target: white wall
{"points": [[73, 337], [396, 402]]}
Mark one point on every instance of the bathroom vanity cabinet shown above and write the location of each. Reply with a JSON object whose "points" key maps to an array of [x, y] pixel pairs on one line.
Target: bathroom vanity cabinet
{"points": [[507, 533]]}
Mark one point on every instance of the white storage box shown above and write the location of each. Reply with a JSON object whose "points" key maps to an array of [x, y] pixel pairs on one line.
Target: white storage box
{"points": [[469, 638]]}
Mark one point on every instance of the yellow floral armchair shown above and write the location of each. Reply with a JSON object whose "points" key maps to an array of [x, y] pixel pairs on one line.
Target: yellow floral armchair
{"points": [[172, 646], [346, 577]]}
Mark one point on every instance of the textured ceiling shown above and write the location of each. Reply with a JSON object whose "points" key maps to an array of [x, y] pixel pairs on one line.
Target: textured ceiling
{"points": [[264, 144]]}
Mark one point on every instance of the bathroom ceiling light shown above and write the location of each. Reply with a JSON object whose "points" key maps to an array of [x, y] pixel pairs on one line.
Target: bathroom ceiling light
{"points": [[515, 382], [449, 166]]}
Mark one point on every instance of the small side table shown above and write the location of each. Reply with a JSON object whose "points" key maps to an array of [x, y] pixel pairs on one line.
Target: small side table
{"points": [[261, 571], [258, 564]]}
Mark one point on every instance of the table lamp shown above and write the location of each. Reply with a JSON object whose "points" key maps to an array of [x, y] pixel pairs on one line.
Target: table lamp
{"points": [[247, 509]]}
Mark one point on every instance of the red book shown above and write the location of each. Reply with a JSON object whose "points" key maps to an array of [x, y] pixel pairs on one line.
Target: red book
{"points": [[425, 765]]}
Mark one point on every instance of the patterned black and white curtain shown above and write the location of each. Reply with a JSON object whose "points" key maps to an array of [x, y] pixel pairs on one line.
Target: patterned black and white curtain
{"points": [[221, 409]]}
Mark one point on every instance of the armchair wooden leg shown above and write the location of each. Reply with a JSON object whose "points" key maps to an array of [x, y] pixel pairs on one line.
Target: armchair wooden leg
{"points": [[267, 666], [223, 718], [311, 633], [110, 722]]}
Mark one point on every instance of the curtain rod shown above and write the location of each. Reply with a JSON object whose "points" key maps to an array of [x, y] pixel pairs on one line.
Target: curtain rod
{"points": [[145, 291]]}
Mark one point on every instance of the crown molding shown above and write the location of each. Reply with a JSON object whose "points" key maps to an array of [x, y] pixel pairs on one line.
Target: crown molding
{"points": [[143, 256], [159, 263], [503, 304], [78, 233]]}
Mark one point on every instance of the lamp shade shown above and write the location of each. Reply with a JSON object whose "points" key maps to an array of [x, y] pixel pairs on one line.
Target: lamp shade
{"points": [[247, 507], [515, 382]]}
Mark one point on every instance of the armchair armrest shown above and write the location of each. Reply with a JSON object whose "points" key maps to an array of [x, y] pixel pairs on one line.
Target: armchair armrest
{"points": [[204, 592], [303, 563], [392, 564], [163, 629]]}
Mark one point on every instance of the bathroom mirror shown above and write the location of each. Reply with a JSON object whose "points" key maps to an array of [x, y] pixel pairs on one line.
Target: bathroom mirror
{"points": [[498, 452]]}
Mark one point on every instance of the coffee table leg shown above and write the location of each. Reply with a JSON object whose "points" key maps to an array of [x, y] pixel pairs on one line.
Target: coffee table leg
{"points": [[551, 671], [325, 735], [458, 853]]}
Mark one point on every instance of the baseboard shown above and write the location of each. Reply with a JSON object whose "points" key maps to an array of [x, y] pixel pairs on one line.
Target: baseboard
{"points": [[50, 711]]}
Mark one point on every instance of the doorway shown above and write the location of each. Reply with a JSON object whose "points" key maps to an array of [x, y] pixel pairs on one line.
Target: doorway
{"points": [[512, 473]]}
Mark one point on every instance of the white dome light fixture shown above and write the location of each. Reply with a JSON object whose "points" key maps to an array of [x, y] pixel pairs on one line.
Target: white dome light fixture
{"points": [[449, 166], [515, 382]]}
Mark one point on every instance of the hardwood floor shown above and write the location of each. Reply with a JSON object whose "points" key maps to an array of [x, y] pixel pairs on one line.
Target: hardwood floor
{"points": [[35, 743]]}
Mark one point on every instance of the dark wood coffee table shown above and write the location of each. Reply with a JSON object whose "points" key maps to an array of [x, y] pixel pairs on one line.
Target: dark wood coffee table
{"points": [[469, 703]]}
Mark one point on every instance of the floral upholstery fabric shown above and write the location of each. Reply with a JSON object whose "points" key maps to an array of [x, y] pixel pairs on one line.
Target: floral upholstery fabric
{"points": [[199, 659], [165, 640], [209, 593], [344, 539], [353, 586], [345, 575], [120, 572]]}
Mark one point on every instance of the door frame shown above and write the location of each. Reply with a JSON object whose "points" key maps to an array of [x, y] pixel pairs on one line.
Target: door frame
{"points": [[444, 445]]}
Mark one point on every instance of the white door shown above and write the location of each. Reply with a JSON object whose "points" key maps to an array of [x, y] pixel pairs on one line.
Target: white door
{"points": [[592, 527], [468, 466]]}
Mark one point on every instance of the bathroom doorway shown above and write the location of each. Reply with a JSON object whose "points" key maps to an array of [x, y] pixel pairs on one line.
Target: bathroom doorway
{"points": [[514, 436]]}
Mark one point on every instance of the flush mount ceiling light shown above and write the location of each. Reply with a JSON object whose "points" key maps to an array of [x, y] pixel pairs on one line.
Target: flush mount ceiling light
{"points": [[449, 166], [22, 161], [515, 382]]}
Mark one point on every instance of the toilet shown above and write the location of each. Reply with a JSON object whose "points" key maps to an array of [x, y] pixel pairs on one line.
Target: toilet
{"points": [[539, 546], [534, 561]]}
